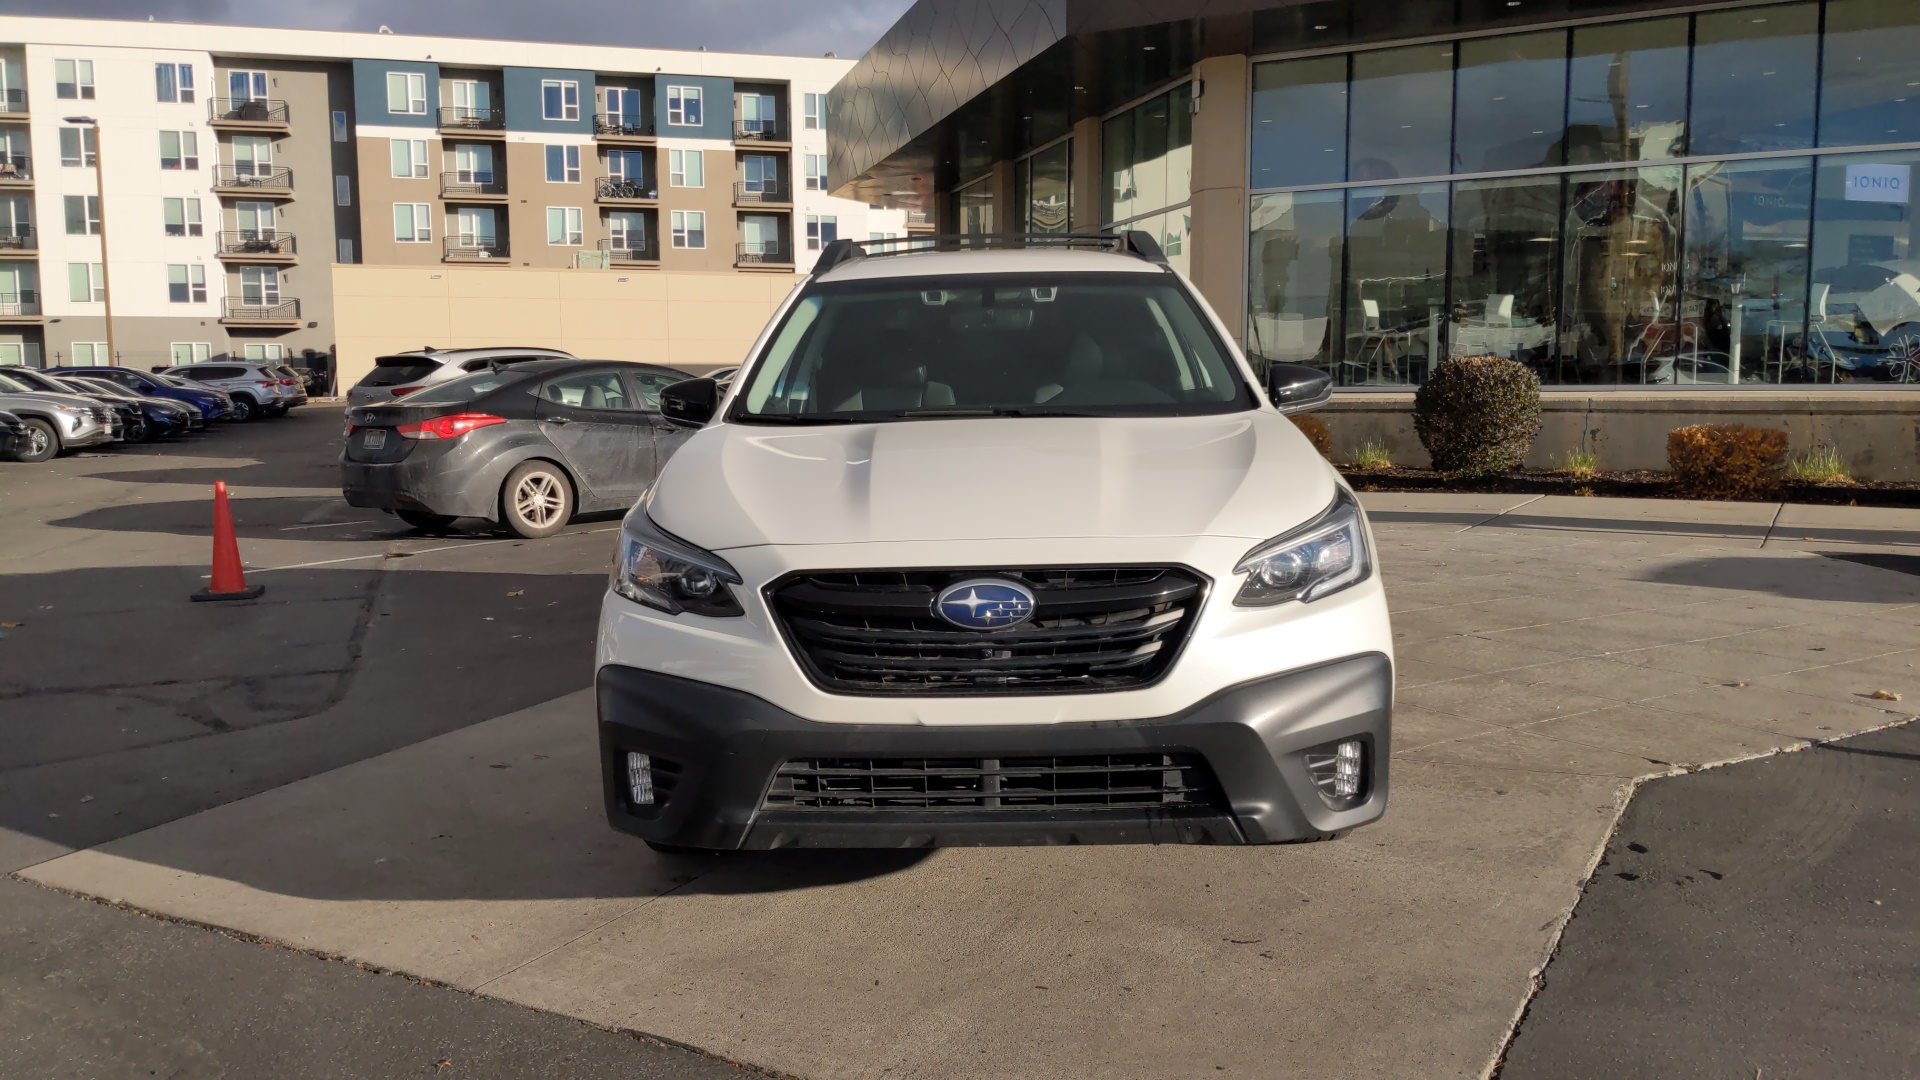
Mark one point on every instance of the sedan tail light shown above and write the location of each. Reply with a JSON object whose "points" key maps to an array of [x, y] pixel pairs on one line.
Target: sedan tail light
{"points": [[448, 427]]}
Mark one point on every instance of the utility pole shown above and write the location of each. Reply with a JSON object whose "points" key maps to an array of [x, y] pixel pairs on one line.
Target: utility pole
{"points": [[100, 195]]}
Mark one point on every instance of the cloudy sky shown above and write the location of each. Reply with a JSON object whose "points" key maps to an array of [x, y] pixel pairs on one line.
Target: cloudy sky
{"points": [[799, 27]]}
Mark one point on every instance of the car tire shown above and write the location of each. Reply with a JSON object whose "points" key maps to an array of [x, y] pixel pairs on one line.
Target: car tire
{"points": [[243, 409], [428, 523], [536, 501], [140, 431], [43, 442]]}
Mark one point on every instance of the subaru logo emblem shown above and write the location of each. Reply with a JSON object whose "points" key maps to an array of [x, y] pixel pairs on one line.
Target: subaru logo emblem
{"points": [[985, 604]]}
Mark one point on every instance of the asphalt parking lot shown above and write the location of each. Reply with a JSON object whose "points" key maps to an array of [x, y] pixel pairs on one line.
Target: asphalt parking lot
{"points": [[385, 765]]}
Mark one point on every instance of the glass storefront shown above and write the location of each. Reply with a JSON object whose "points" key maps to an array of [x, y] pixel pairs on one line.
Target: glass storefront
{"points": [[1147, 171], [1712, 199], [1043, 189]]}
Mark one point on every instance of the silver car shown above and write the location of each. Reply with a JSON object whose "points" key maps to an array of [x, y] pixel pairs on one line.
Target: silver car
{"points": [[55, 422], [402, 373], [257, 388]]}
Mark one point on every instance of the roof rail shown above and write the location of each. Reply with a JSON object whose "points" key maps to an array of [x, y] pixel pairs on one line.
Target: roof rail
{"points": [[1132, 242]]}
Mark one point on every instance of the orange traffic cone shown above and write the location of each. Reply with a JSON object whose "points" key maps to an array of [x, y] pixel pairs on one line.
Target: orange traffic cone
{"points": [[229, 581]]}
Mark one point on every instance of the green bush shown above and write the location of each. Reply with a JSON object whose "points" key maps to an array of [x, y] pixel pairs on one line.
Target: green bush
{"points": [[1316, 431], [1726, 461], [1478, 414]]}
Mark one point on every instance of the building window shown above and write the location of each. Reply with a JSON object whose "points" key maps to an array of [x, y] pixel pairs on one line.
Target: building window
{"points": [[683, 106], [407, 93], [563, 164], [627, 231], [90, 354], [973, 208], [259, 286], [73, 79], [560, 99], [689, 228], [190, 352], [473, 164], [760, 115], [1148, 153], [339, 125], [1627, 91], [173, 83], [822, 229], [816, 166], [760, 175], [686, 168], [812, 106], [1510, 102], [1044, 190], [77, 147], [412, 223], [1753, 79], [410, 158], [1865, 94], [564, 227], [345, 252], [263, 351], [181, 149], [252, 155], [86, 283], [342, 190], [182, 216], [186, 283], [83, 215]]}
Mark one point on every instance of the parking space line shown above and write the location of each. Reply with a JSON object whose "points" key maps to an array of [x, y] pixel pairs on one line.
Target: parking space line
{"points": [[424, 551], [329, 524]]}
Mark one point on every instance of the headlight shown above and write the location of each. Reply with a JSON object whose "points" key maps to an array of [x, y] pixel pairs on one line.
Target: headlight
{"points": [[1317, 559], [660, 570]]}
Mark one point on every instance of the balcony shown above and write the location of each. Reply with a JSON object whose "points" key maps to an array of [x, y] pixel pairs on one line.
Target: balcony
{"points": [[762, 193], [20, 307], [620, 189], [261, 313], [759, 132], [256, 246], [629, 250], [257, 181], [609, 127], [919, 220], [473, 187], [13, 104], [16, 170], [464, 120], [17, 239], [476, 249], [771, 254], [248, 114]]}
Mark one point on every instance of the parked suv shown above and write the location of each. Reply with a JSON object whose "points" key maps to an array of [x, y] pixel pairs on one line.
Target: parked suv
{"points": [[213, 403], [55, 422], [994, 546], [403, 373], [257, 389]]}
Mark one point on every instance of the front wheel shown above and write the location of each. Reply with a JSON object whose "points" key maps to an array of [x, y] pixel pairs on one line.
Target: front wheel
{"points": [[243, 409], [42, 442], [138, 431], [429, 523], [536, 501]]}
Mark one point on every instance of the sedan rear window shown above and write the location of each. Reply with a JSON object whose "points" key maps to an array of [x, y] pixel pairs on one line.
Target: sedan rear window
{"points": [[465, 388], [399, 371]]}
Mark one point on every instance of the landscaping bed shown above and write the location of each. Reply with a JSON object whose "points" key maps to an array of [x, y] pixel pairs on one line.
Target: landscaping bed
{"points": [[1635, 485]]}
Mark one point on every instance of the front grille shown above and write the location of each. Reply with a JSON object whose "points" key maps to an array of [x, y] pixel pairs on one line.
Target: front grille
{"points": [[1093, 629], [100, 413], [1086, 781]]}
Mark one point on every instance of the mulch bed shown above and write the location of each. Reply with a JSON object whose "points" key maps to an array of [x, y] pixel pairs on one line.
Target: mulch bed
{"points": [[1635, 485]]}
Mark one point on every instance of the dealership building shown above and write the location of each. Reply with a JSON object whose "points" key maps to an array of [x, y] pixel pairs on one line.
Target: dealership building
{"points": [[1672, 213]]}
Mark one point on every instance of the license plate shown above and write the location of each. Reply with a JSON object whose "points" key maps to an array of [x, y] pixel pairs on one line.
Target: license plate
{"points": [[373, 438]]}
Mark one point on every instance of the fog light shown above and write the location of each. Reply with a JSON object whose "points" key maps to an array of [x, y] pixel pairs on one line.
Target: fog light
{"points": [[1346, 769], [639, 778], [1340, 772]]}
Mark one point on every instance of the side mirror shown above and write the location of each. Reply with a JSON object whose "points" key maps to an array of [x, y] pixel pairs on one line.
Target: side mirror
{"points": [[690, 403], [1297, 388]]}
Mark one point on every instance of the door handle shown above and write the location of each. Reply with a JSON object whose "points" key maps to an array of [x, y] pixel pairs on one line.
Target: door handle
{"points": [[559, 419]]}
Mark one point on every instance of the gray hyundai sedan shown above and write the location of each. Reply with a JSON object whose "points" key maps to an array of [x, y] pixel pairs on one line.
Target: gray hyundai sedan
{"points": [[524, 447]]}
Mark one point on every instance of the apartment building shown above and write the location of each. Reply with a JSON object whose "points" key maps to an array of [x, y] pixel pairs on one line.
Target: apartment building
{"points": [[220, 191]]}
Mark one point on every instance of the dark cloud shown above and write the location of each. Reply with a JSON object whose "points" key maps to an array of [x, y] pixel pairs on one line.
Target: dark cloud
{"points": [[797, 27]]}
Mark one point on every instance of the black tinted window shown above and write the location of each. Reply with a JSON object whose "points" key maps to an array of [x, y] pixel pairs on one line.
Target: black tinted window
{"points": [[588, 390], [399, 371], [463, 389]]}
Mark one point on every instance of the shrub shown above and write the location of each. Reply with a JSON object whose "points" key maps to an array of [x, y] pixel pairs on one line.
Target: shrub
{"points": [[1726, 461], [1373, 455], [1478, 414], [1577, 464], [1316, 431], [1820, 465]]}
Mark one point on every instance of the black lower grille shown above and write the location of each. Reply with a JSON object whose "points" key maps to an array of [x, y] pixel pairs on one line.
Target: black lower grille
{"points": [[1088, 781], [1093, 629]]}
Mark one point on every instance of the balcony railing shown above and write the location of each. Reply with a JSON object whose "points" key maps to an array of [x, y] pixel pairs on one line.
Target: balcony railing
{"points": [[758, 131], [919, 219], [13, 101], [762, 191], [475, 248], [631, 249], [253, 177], [762, 252], [15, 167], [247, 110], [18, 305], [239, 309], [621, 187], [256, 242], [17, 238], [455, 185], [612, 124], [470, 119]]}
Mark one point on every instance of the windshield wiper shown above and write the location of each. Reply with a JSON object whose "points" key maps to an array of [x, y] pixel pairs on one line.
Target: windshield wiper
{"points": [[792, 418], [940, 411]]}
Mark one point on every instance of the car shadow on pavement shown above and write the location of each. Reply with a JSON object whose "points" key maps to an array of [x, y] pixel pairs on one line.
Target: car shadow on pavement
{"points": [[1798, 579], [293, 517]]}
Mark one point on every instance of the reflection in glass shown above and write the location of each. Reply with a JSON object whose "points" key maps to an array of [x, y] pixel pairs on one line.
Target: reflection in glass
{"points": [[1863, 312], [1505, 251], [1511, 102], [1628, 92], [1396, 283], [1402, 113], [973, 208], [1293, 280], [1045, 191], [1148, 155], [1868, 92], [1300, 122], [1621, 236], [1743, 308], [1753, 79]]}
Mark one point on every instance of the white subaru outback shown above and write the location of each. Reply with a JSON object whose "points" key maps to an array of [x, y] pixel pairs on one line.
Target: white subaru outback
{"points": [[997, 546]]}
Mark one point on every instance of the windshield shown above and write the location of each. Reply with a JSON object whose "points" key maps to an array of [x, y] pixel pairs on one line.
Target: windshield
{"points": [[16, 386], [1002, 345]]}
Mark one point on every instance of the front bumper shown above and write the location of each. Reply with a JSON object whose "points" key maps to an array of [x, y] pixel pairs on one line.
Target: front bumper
{"points": [[727, 746]]}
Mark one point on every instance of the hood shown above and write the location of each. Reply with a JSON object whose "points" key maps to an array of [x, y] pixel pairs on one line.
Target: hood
{"points": [[1249, 475], [53, 397]]}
